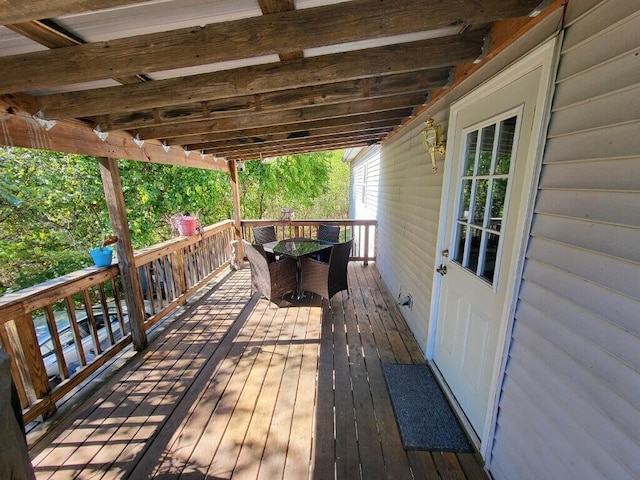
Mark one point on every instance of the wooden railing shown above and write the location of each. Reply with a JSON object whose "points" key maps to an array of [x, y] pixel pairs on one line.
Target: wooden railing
{"points": [[363, 233], [60, 332]]}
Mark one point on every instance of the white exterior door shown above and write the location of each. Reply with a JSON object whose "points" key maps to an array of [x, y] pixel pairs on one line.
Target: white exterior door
{"points": [[492, 145]]}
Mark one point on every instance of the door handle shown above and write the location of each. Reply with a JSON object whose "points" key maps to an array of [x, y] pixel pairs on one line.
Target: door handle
{"points": [[442, 270]]}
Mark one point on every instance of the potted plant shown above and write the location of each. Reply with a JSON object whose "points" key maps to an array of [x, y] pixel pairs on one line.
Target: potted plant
{"points": [[184, 224], [103, 255]]}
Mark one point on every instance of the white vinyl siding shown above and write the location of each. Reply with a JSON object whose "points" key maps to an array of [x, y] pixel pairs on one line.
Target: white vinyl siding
{"points": [[570, 400], [408, 223]]}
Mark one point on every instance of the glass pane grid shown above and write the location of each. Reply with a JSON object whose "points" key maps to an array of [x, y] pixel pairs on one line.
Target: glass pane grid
{"points": [[482, 197]]}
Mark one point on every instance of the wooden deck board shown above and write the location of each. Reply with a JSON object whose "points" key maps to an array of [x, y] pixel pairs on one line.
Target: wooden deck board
{"points": [[263, 392]]}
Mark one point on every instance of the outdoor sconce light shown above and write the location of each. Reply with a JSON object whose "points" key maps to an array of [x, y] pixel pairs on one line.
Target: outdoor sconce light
{"points": [[432, 138]]}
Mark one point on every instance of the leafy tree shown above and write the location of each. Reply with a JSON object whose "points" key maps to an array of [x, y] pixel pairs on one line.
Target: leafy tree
{"points": [[300, 182], [37, 230], [53, 209]]}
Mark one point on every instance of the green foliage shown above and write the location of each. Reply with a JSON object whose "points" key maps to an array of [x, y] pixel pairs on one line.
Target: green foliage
{"points": [[314, 185], [53, 209], [154, 191]]}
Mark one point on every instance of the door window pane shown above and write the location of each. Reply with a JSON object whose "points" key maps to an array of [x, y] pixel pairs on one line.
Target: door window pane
{"points": [[463, 214], [474, 249], [470, 154], [490, 256], [486, 150], [459, 246], [498, 196], [505, 146], [480, 202]]}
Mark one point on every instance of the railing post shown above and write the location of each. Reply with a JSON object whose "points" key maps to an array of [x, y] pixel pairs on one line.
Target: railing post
{"points": [[237, 214], [28, 359], [126, 261]]}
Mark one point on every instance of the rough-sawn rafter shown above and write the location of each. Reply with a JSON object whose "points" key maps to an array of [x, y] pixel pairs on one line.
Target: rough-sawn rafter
{"points": [[251, 37]]}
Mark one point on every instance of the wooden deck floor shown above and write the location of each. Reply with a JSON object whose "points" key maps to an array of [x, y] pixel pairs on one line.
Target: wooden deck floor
{"points": [[257, 392]]}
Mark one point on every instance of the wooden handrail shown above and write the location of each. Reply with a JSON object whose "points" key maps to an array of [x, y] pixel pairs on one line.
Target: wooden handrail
{"points": [[362, 231]]}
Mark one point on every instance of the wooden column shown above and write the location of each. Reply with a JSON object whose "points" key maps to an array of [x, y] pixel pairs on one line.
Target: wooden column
{"points": [[235, 191], [130, 278]]}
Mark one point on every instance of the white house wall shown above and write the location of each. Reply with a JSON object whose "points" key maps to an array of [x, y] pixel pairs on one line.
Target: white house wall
{"points": [[409, 195], [570, 401], [409, 203]]}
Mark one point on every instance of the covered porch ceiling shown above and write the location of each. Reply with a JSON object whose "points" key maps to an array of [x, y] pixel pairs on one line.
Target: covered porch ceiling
{"points": [[234, 79]]}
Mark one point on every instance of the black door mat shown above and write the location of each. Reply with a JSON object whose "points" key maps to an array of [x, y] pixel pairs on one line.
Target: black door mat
{"points": [[424, 416]]}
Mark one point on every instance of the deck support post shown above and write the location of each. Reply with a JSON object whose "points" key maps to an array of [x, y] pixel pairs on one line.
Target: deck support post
{"points": [[237, 215], [126, 261]]}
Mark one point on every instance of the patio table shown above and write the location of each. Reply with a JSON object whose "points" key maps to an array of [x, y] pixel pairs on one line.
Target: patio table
{"points": [[297, 248]]}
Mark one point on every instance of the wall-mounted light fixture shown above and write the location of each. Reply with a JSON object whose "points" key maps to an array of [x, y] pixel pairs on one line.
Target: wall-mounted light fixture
{"points": [[432, 138]]}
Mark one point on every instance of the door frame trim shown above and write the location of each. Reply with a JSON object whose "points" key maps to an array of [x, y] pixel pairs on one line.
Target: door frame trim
{"points": [[546, 57]]}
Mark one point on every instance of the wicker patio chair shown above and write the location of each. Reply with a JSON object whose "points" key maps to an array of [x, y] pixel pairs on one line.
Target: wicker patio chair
{"points": [[272, 280], [263, 235], [327, 279], [329, 233]]}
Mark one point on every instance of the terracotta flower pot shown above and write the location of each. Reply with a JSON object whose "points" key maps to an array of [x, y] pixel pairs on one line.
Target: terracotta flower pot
{"points": [[187, 225]]}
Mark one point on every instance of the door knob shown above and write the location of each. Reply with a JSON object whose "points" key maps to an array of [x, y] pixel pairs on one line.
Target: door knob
{"points": [[442, 270], [445, 252]]}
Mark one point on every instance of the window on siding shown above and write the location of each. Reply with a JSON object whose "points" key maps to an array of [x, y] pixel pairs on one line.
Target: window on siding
{"points": [[360, 183]]}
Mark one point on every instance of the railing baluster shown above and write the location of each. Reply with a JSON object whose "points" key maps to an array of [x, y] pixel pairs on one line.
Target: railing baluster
{"points": [[366, 245], [77, 338]]}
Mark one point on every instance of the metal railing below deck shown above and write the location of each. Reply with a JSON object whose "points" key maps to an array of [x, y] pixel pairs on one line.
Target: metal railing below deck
{"points": [[61, 331], [363, 233]]}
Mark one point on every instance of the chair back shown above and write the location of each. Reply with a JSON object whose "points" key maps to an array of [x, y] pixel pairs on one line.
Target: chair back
{"points": [[329, 233], [338, 261], [264, 234], [260, 276]]}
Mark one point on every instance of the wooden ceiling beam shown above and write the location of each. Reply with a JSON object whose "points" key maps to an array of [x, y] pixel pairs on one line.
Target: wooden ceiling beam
{"points": [[250, 37], [309, 136], [268, 119], [334, 93], [296, 142], [281, 152], [51, 35], [16, 11], [73, 136], [277, 6], [346, 124], [407, 57]]}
